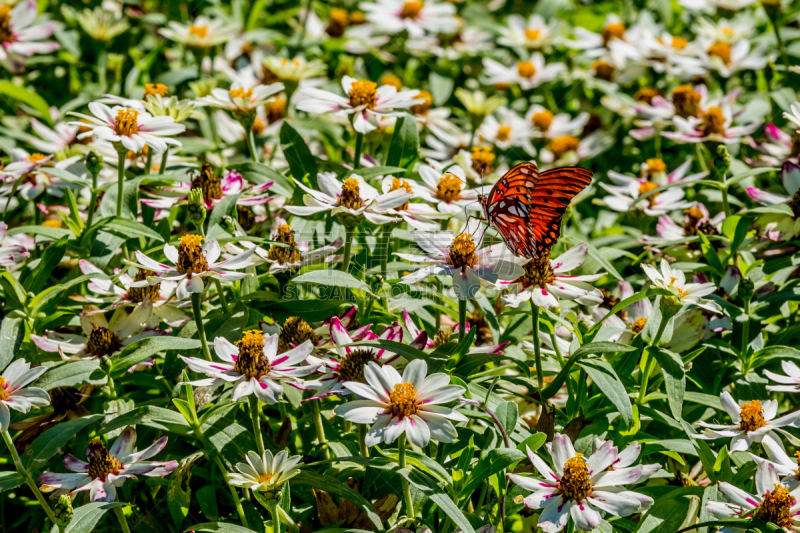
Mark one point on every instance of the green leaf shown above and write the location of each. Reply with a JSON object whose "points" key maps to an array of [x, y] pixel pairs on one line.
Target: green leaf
{"points": [[27, 97], [674, 378], [534, 442], [334, 486], [51, 441], [507, 413], [369, 173], [12, 333], [51, 257], [490, 464], [219, 527], [428, 486], [297, 154], [608, 381], [225, 207], [50, 295], [85, 517], [669, 511], [138, 351], [404, 146], [230, 439], [261, 173], [127, 229], [72, 374], [178, 497], [586, 349], [150, 416], [441, 88], [332, 278], [10, 480], [130, 193], [45, 231]]}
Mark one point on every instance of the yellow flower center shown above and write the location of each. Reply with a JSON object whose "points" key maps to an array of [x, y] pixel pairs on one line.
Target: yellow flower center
{"points": [[350, 197], [251, 361], [295, 331], [575, 484], [542, 120], [351, 367], [275, 109], [776, 507], [563, 144], [526, 69], [721, 50], [646, 95], [482, 160], [639, 325], [35, 158], [686, 101], [126, 122], [6, 35], [241, 92], [614, 30], [101, 462], [603, 70], [191, 259], [266, 478], [391, 79], [363, 93], [403, 400], [102, 341], [258, 126], [645, 188], [140, 294], [208, 182], [797, 458], [538, 272], [3, 389], [442, 336], [398, 184], [411, 9], [503, 132], [652, 167], [155, 88], [462, 251], [713, 121], [449, 188], [532, 33], [752, 415], [199, 31], [679, 43], [284, 254], [53, 223], [424, 107]]}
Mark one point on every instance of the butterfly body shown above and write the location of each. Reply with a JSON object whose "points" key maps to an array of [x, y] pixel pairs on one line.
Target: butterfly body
{"points": [[526, 206]]}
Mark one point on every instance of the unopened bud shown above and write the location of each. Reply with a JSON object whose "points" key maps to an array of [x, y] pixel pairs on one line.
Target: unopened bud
{"points": [[197, 208], [245, 118], [204, 87], [268, 498], [670, 306], [746, 289], [228, 224], [722, 160], [93, 162], [349, 221], [63, 511]]}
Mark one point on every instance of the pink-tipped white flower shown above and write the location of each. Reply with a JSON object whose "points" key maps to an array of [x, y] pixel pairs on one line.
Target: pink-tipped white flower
{"points": [[777, 147], [254, 366], [14, 392], [21, 39], [363, 98], [418, 215], [242, 96], [107, 469], [696, 221], [410, 404], [10, 254], [674, 280], [580, 488], [785, 466], [545, 281], [192, 263], [528, 74], [781, 218], [714, 123], [129, 127], [751, 422]]}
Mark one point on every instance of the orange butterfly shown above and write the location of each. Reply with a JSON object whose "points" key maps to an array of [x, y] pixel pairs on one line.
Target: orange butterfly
{"points": [[526, 206]]}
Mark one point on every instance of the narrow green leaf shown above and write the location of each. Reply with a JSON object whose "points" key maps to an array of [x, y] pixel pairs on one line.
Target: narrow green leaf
{"points": [[404, 146], [51, 441], [52, 256], [608, 381], [27, 97], [297, 154]]}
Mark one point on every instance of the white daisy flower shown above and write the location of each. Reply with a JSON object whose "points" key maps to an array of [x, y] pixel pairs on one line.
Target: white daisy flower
{"points": [[506, 130], [364, 98], [674, 281], [568, 150], [15, 395], [133, 129], [546, 280], [621, 44], [19, 38], [265, 472], [242, 96], [107, 469], [532, 33], [751, 422], [547, 125], [579, 486], [528, 74], [771, 502], [419, 215], [410, 404], [202, 33], [12, 254], [788, 383], [254, 366], [414, 16], [445, 189], [786, 467], [192, 263]]}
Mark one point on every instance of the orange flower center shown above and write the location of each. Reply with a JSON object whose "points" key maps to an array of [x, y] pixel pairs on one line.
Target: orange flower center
{"points": [[101, 462], [411, 9], [462, 251], [532, 33], [542, 119], [575, 483], [563, 144], [639, 324], [6, 35], [191, 259], [350, 197], [422, 108], [503, 133], [251, 361], [391, 79], [449, 188], [482, 160], [776, 507], [3, 389], [679, 43], [241, 92], [603, 70], [686, 101], [713, 121], [721, 50], [126, 122], [526, 69], [403, 400], [200, 31], [155, 88], [752, 415], [615, 30], [35, 158], [363, 93]]}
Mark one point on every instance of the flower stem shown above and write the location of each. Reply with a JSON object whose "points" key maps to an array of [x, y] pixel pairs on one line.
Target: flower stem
{"points": [[317, 413], [348, 246], [650, 361], [222, 301], [276, 519], [198, 318], [254, 414], [537, 353], [28, 479], [781, 47], [401, 461], [362, 440], [357, 158], [163, 167], [236, 501], [251, 144], [92, 202], [745, 339], [149, 161], [698, 149], [120, 178], [462, 319], [123, 524]]}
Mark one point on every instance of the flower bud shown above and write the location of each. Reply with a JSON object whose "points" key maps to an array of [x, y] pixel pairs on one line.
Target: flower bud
{"points": [[63, 511], [196, 209], [245, 118], [746, 289], [349, 221], [722, 160], [670, 306], [93, 162], [228, 224], [268, 498], [203, 88]]}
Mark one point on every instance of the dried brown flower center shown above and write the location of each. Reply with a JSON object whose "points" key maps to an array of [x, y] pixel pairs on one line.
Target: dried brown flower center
{"points": [[350, 197], [351, 367], [155, 89], [102, 341], [284, 254], [6, 35], [575, 484], [295, 331], [526, 69], [604, 70], [101, 462], [713, 121], [776, 507], [251, 361], [538, 272], [363, 93], [639, 324], [646, 95], [126, 122], [442, 336], [412, 9], [338, 22], [721, 50], [542, 120], [276, 109], [424, 107], [752, 416], [462, 251], [615, 30], [191, 259], [64, 399], [482, 160], [686, 101], [403, 400], [563, 144], [140, 294], [209, 183]]}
